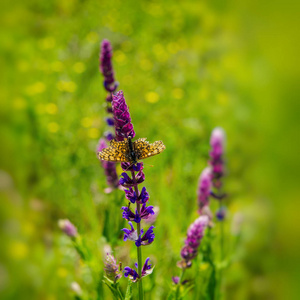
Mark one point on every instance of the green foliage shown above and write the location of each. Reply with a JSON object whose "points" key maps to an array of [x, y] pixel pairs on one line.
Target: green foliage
{"points": [[185, 68]]}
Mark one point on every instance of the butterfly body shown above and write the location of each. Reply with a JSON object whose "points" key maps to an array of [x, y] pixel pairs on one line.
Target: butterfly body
{"points": [[130, 151]]}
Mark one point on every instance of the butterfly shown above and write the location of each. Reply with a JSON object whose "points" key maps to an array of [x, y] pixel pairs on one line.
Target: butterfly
{"points": [[130, 151]]}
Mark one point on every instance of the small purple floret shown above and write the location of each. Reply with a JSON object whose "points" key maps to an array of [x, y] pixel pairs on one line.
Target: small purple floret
{"points": [[146, 239], [204, 188]]}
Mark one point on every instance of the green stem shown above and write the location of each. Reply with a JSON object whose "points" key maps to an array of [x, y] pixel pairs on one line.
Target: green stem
{"points": [[139, 249], [179, 283]]}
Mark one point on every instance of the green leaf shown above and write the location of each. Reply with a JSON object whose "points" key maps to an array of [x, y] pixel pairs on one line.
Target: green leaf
{"points": [[129, 290]]}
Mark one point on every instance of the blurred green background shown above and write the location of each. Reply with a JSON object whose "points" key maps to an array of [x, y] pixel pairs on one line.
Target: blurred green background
{"points": [[185, 67]]}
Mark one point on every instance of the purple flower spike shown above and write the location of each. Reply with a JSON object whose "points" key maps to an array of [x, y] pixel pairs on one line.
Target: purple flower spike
{"points": [[217, 142], [68, 228], [147, 238], [109, 168], [204, 188], [132, 274], [130, 234], [123, 125], [106, 66], [194, 236]]}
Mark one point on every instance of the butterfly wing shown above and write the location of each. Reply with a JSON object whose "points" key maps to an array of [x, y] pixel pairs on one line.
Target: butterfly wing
{"points": [[116, 152], [144, 149]]}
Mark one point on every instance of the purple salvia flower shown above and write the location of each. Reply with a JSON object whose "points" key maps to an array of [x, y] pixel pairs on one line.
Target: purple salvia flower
{"points": [[204, 189], [130, 234], [68, 228], [221, 213], [152, 218], [130, 216], [146, 239], [112, 178], [146, 211], [194, 236], [111, 268], [175, 279], [106, 66], [130, 194], [217, 143], [133, 275], [123, 125]]}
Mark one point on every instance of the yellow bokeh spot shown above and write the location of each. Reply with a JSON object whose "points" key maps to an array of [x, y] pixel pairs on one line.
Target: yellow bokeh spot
{"points": [[36, 88], [204, 266], [23, 66], [28, 229], [53, 127], [79, 67], [62, 272], [57, 66], [152, 97], [94, 133], [92, 37], [146, 65], [19, 103], [18, 250], [120, 56], [86, 122], [204, 93], [173, 47], [126, 46], [47, 43], [178, 93], [222, 99], [51, 108], [66, 86]]}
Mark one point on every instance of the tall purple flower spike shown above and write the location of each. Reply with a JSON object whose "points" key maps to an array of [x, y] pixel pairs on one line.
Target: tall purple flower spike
{"points": [[217, 142], [123, 125], [204, 188], [106, 67], [195, 234]]}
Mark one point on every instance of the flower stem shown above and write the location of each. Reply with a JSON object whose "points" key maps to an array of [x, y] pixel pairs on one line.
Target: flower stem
{"points": [[179, 283], [139, 250]]}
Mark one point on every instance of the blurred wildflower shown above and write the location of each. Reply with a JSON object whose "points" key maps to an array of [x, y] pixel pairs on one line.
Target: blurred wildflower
{"points": [[18, 250], [112, 270], [106, 66], [68, 228], [217, 142], [221, 213], [195, 234], [204, 189], [75, 287]]}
